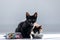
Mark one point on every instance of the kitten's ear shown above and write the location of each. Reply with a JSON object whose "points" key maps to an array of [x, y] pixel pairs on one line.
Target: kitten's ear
{"points": [[39, 27], [35, 14], [27, 14], [35, 27]]}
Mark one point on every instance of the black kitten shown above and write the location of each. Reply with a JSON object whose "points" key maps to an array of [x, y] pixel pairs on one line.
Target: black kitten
{"points": [[26, 26]]}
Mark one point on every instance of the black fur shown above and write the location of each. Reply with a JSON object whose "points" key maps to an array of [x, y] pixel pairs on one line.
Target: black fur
{"points": [[26, 26]]}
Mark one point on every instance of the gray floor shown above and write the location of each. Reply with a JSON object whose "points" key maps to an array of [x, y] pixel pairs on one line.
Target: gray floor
{"points": [[45, 37]]}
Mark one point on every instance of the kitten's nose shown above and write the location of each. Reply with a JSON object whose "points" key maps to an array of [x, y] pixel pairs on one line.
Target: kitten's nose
{"points": [[32, 24]]}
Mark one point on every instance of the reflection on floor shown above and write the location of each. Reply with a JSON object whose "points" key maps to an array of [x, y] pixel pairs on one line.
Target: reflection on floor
{"points": [[48, 36]]}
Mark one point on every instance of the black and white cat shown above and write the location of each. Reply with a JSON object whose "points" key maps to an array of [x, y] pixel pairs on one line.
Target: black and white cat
{"points": [[26, 26], [35, 33]]}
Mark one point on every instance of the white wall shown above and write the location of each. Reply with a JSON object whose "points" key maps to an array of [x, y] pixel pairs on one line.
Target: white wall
{"points": [[13, 11]]}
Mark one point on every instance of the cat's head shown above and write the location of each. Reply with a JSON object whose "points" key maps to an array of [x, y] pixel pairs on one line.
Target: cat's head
{"points": [[31, 18], [37, 29]]}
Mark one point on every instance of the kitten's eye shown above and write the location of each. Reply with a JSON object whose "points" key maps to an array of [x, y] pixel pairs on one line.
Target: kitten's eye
{"points": [[33, 19], [29, 20]]}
